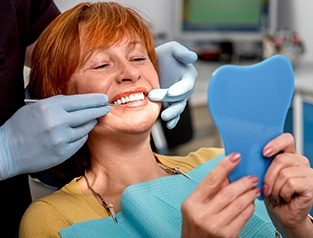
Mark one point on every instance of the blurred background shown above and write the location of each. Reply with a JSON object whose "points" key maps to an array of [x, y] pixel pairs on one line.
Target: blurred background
{"points": [[238, 32]]}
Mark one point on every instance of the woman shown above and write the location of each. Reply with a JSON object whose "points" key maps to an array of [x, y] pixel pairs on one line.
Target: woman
{"points": [[107, 48]]}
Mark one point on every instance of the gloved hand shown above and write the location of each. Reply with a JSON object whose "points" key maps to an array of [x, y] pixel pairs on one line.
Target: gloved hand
{"points": [[43, 134], [177, 80]]}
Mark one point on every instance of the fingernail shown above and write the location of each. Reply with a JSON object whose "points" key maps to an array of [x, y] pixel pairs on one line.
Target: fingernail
{"points": [[235, 157], [254, 180], [257, 191], [265, 190], [267, 151]]}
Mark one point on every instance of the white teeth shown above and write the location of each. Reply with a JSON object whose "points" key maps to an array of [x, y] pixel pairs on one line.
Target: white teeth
{"points": [[130, 98]]}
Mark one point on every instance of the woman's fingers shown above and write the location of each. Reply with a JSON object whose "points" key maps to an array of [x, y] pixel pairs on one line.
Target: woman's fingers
{"points": [[298, 186], [282, 149], [217, 208], [277, 167], [239, 212], [213, 182], [288, 185], [232, 192], [216, 226], [283, 143]]}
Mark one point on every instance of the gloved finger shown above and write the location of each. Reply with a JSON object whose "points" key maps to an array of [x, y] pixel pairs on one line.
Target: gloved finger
{"points": [[184, 55], [75, 134], [186, 85], [79, 101], [172, 123], [66, 140], [81, 117], [181, 53], [179, 90], [161, 95], [158, 94], [173, 110], [74, 146], [64, 153]]}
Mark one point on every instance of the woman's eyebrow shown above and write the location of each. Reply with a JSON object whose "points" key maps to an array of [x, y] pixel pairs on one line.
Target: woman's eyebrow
{"points": [[135, 43]]}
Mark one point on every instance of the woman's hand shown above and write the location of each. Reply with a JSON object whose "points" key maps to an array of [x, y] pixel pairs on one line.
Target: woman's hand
{"points": [[217, 208], [288, 187]]}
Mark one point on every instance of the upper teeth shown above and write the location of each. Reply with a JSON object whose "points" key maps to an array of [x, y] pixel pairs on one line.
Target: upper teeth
{"points": [[130, 98]]}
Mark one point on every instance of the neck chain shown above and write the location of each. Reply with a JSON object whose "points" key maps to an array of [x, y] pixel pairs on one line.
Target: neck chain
{"points": [[109, 207]]}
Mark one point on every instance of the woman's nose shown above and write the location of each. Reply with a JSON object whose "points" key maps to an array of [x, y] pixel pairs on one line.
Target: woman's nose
{"points": [[127, 73]]}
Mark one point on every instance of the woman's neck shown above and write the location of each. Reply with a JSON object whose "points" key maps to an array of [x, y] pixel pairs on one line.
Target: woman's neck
{"points": [[117, 165]]}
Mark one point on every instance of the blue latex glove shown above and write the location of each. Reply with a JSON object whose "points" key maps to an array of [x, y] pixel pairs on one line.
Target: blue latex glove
{"points": [[177, 80], [44, 134]]}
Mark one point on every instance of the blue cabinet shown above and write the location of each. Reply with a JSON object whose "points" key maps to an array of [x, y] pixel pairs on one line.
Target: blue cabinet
{"points": [[299, 120], [308, 131], [304, 123]]}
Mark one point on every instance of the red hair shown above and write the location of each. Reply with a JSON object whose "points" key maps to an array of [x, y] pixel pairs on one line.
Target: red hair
{"points": [[62, 47]]}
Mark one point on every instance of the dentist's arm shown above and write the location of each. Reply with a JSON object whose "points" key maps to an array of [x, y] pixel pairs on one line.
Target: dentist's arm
{"points": [[177, 80], [44, 134]]}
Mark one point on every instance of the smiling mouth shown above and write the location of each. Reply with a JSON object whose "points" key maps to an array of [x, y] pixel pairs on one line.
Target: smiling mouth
{"points": [[130, 98]]}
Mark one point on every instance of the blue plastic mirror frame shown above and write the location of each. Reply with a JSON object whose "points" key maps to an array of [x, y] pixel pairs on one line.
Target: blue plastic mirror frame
{"points": [[248, 105]]}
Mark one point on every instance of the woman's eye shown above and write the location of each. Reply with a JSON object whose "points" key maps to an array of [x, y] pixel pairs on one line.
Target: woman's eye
{"points": [[139, 58], [101, 66]]}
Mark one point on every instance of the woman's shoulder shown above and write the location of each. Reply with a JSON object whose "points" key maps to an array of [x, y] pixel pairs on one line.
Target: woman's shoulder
{"points": [[70, 200], [61, 196], [44, 216], [56, 200], [191, 160], [59, 210]]}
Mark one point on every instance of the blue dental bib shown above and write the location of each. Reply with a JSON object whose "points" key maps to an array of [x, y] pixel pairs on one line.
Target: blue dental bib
{"points": [[152, 209]]}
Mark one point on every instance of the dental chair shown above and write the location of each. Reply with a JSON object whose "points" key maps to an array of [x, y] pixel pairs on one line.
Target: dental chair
{"points": [[164, 139]]}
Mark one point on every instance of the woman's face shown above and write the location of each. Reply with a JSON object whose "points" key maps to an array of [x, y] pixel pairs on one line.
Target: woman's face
{"points": [[125, 74]]}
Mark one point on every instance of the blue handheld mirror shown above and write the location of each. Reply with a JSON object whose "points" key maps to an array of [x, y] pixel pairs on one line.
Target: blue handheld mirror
{"points": [[248, 105]]}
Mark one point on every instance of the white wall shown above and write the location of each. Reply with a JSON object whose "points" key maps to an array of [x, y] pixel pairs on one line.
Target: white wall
{"points": [[296, 15], [158, 12]]}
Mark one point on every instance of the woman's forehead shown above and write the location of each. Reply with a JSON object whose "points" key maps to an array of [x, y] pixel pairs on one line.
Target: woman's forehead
{"points": [[88, 50], [98, 38]]}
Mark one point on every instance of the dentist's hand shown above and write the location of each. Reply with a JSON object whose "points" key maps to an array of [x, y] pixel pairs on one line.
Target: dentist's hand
{"points": [[44, 134], [177, 80]]}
